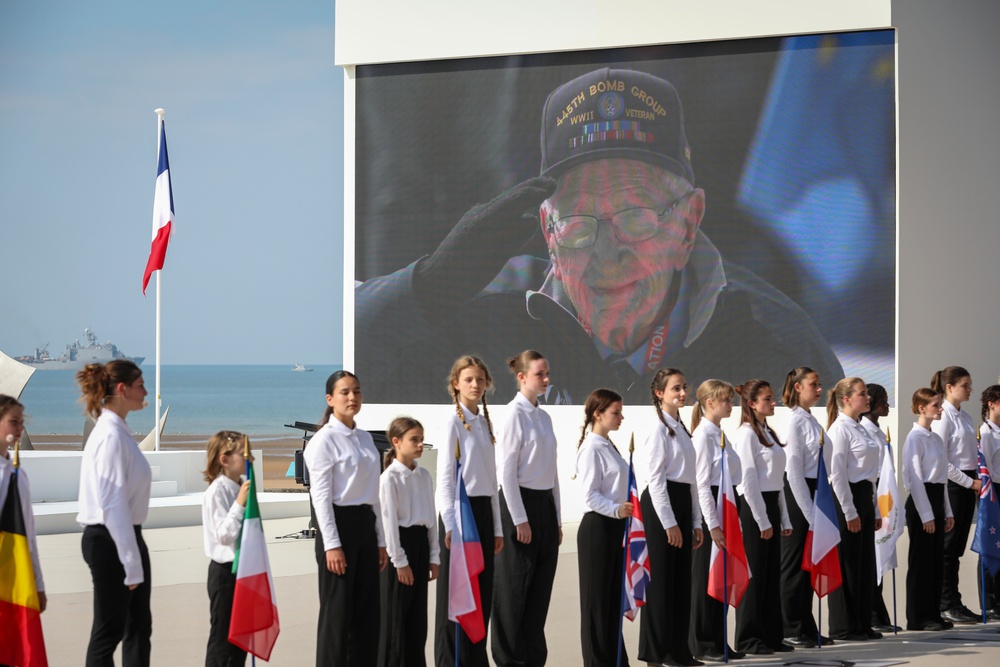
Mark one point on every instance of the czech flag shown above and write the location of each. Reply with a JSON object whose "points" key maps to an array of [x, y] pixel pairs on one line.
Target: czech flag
{"points": [[637, 572], [21, 641], [163, 212], [728, 573], [464, 603], [820, 557], [254, 624]]}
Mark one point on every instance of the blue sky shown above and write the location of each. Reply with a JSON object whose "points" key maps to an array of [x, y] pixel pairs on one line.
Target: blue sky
{"points": [[255, 133]]}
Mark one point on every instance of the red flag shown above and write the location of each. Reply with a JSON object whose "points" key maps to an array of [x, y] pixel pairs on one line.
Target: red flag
{"points": [[163, 212], [729, 573]]}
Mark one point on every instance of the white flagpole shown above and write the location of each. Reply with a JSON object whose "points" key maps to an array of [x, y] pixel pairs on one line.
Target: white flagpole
{"points": [[160, 113]]}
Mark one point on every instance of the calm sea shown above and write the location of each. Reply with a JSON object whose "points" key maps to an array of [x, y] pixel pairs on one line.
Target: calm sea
{"points": [[203, 399]]}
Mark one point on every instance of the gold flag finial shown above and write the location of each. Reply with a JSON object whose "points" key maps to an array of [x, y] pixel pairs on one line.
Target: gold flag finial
{"points": [[979, 433], [722, 437], [822, 440], [246, 446], [458, 450], [888, 438], [631, 444], [17, 454]]}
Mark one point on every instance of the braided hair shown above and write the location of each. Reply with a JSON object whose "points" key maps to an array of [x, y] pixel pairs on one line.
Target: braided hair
{"points": [[659, 384], [463, 362]]}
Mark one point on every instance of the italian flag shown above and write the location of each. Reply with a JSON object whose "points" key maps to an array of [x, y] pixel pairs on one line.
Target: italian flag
{"points": [[254, 624]]}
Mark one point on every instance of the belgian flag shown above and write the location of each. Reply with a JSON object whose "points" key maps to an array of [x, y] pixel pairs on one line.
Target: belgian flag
{"points": [[21, 642]]}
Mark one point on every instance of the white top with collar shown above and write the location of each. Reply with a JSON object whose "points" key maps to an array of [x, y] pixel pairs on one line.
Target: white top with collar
{"points": [[707, 438], [879, 437], [959, 435], [763, 471], [407, 498], [526, 456], [114, 488], [344, 468], [603, 473], [24, 491], [221, 519], [671, 458], [989, 442], [924, 462], [802, 448], [479, 467], [854, 459]]}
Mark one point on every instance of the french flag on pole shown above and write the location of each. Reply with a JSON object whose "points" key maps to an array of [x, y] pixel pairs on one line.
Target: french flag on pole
{"points": [[163, 210], [464, 603], [820, 556], [728, 571]]}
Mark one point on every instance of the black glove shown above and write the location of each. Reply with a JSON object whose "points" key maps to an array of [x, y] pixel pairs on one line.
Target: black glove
{"points": [[480, 244]]}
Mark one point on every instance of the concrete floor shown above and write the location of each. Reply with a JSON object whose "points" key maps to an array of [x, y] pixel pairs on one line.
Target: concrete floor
{"points": [[180, 607]]}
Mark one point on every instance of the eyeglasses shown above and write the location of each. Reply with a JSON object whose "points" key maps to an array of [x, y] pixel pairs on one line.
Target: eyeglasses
{"points": [[630, 226]]}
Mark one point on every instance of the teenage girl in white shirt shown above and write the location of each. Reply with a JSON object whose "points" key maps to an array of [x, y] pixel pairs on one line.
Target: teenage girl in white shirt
{"points": [[222, 510], [406, 493], [603, 474], [468, 383]]}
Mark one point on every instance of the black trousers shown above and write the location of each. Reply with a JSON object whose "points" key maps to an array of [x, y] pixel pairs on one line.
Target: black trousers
{"points": [[404, 608], [851, 604], [602, 557], [470, 655], [706, 634], [348, 624], [924, 568], [758, 619], [523, 582], [796, 588], [221, 586], [665, 620], [120, 615], [963, 506]]}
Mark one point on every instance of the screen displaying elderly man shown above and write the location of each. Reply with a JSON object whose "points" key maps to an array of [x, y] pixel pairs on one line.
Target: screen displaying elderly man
{"points": [[630, 283]]}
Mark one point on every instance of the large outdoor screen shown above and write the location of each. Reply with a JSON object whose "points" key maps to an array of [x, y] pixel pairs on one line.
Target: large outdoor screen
{"points": [[724, 208]]}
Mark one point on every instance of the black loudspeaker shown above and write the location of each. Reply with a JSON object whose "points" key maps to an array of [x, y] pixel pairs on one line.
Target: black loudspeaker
{"points": [[301, 471]]}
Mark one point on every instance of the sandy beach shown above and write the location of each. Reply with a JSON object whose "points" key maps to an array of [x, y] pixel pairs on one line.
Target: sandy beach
{"points": [[278, 451]]}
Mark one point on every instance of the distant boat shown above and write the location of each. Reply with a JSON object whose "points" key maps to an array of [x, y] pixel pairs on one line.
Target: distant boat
{"points": [[77, 355], [299, 368]]}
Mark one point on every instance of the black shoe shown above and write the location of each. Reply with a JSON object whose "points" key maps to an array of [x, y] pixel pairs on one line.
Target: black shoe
{"points": [[960, 614], [736, 655], [690, 661], [854, 637], [782, 648], [887, 628], [800, 642], [873, 634], [993, 614], [761, 649], [948, 625], [826, 641], [712, 656]]}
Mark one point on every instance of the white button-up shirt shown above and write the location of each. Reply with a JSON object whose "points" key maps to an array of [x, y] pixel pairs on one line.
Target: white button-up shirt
{"points": [[854, 459], [526, 456], [344, 468], [407, 498], [924, 462], [603, 474], [802, 449], [707, 439], [221, 519], [763, 471], [479, 466], [114, 488], [959, 436], [671, 458]]}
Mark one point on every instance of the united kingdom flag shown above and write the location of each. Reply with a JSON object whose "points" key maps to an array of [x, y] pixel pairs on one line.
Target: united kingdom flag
{"points": [[636, 555], [986, 541]]}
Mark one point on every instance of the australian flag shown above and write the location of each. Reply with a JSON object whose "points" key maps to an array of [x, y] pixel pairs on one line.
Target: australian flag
{"points": [[636, 554], [986, 541]]}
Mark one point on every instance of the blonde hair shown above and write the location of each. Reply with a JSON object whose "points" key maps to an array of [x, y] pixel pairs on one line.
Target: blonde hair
{"points": [[223, 442], [709, 390], [470, 361], [843, 389]]}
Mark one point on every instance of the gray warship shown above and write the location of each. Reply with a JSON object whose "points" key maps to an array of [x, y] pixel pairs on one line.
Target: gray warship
{"points": [[77, 355]]}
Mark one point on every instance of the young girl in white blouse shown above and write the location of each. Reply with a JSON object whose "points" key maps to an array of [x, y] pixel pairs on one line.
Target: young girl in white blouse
{"points": [[344, 470], [222, 511], [715, 403], [529, 513], [114, 501], [928, 514], [470, 427], [603, 476], [763, 514], [853, 468], [956, 430], [802, 438], [406, 493], [672, 520], [989, 442]]}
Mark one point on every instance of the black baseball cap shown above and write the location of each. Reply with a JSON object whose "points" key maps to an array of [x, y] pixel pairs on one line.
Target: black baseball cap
{"points": [[614, 113]]}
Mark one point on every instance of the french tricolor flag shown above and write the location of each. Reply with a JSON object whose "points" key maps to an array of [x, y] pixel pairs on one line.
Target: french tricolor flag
{"points": [[163, 211], [729, 573], [820, 557], [464, 603]]}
